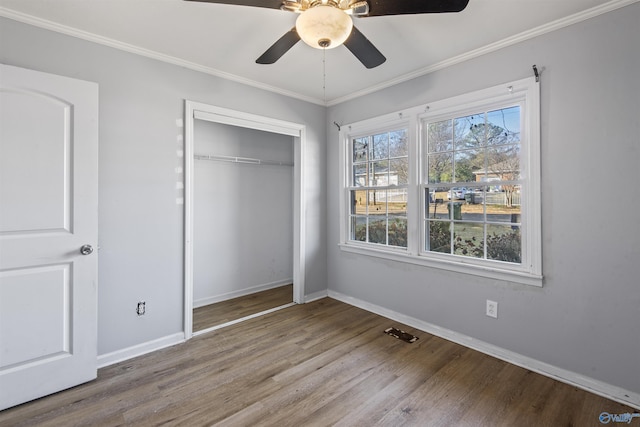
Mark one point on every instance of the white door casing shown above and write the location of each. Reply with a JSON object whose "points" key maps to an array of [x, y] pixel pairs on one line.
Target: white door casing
{"points": [[48, 211]]}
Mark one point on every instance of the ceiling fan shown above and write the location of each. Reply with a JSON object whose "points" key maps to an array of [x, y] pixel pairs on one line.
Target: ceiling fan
{"points": [[325, 24]]}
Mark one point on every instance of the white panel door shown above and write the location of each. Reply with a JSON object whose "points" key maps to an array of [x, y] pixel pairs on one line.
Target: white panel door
{"points": [[48, 212]]}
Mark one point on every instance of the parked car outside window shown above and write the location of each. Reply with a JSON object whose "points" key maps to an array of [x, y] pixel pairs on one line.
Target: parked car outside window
{"points": [[457, 193]]}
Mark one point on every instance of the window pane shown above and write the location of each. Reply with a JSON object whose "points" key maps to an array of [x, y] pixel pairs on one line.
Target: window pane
{"points": [[440, 168], [380, 146], [398, 232], [475, 197], [503, 163], [503, 126], [371, 174], [359, 202], [397, 202], [398, 143], [359, 228], [454, 210], [473, 207], [438, 237], [441, 195], [468, 239], [504, 205], [480, 166], [469, 132], [377, 202], [504, 243], [466, 163], [440, 136], [380, 173], [399, 171], [360, 174], [360, 147], [435, 205], [378, 230]]}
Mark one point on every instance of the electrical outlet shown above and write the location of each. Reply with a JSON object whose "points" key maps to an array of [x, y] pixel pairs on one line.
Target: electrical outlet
{"points": [[492, 309], [141, 308]]}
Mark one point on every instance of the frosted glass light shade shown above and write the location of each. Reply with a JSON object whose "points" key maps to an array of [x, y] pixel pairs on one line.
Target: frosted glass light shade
{"points": [[324, 27]]}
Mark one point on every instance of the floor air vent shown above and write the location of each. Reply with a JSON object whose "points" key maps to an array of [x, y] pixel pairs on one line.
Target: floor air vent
{"points": [[401, 335]]}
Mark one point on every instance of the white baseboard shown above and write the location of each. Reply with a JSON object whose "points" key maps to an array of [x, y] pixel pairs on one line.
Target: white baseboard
{"points": [[568, 377], [139, 349], [315, 296], [240, 293]]}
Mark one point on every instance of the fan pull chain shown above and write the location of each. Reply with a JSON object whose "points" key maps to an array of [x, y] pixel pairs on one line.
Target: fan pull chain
{"points": [[324, 75]]}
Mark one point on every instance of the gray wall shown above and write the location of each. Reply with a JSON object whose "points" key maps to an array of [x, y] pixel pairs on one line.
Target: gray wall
{"points": [[242, 213], [586, 318], [140, 224]]}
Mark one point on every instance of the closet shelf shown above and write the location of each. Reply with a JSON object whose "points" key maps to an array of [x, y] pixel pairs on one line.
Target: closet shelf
{"points": [[234, 159]]}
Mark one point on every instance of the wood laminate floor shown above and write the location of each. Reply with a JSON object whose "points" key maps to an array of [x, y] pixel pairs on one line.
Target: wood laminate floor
{"points": [[237, 308], [317, 364]]}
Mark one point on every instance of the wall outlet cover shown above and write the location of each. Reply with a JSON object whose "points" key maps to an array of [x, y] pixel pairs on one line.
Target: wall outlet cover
{"points": [[492, 309], [141, 308]]}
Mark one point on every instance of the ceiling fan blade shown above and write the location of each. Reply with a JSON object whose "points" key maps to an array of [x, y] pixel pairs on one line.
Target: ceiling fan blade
{"points": [[363, 49], [407, 7], [270, 4], [280, 47]]}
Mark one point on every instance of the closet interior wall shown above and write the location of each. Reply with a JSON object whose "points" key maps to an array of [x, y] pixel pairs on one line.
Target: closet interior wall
{"points": [[242, 210]]}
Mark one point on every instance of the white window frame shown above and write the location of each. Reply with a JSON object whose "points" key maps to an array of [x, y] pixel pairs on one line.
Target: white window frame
{"points": [[525, 93]]}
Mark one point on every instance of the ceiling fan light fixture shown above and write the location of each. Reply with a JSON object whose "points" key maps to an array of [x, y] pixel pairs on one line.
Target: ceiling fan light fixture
{"points": [[324, 26]]}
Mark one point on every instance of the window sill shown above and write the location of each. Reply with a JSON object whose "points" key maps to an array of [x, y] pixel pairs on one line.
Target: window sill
{"points": [[491, 272]]}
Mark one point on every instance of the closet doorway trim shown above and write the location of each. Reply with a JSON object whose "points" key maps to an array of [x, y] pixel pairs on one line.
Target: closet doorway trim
{"points": [[199, 111]]}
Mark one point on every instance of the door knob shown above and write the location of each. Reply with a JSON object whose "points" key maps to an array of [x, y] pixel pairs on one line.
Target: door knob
{"points": [[86, 250]]}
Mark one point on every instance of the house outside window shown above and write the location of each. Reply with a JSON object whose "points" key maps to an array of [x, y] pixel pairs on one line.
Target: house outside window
{"points": [[454, 184]]}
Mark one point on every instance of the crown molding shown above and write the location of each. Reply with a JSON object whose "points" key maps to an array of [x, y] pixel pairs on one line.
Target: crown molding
{"points": [[106, 41], [509, 41]]}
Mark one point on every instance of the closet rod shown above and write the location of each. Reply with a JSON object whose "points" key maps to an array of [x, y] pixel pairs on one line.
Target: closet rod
{"points": [[234, 159]]}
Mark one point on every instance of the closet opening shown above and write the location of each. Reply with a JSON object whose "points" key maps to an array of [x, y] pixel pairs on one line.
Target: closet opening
{"points": [[243, 222]]}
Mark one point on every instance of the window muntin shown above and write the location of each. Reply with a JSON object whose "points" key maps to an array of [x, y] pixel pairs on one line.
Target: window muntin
{"points": [[472, 173], [378, 188]]}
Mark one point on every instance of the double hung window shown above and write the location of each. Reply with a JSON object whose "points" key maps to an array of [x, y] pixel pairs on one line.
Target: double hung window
{"points": [[453, 184], [378, 190], [472, 186]]}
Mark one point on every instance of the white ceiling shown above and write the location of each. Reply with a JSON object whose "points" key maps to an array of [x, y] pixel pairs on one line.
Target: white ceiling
{"points": [[225, 40]]}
